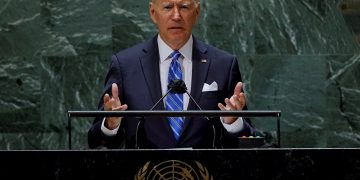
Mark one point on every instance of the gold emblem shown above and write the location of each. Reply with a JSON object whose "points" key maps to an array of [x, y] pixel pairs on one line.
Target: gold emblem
{"points": [[173, 169]]}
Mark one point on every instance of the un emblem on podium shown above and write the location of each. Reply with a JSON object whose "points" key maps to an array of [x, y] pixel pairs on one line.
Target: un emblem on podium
{"points": [[173, 169]]}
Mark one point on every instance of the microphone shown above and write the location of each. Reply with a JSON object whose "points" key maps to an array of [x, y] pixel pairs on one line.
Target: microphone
{"points": [[177, 86]]}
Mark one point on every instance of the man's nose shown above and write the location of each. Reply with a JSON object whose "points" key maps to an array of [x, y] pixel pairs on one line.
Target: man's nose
{"points": [[176, 14]]}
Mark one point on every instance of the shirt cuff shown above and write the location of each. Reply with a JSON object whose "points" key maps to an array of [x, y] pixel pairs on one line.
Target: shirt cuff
{"points": [[107, 131], [235, 127]]}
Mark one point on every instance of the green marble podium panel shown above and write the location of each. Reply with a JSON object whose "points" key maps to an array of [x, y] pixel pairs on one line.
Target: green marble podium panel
{"points": [[298, 56]]}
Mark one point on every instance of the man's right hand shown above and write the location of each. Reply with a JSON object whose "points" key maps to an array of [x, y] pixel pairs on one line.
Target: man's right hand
{"points": [[113, 104]]}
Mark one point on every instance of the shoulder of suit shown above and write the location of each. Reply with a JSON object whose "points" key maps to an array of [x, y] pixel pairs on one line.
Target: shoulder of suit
{"points": [[213, 51], [131, 51], [137, 49]]}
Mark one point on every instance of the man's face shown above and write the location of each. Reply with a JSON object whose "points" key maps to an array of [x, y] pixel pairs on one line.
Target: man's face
{"points": [[175, 20]]}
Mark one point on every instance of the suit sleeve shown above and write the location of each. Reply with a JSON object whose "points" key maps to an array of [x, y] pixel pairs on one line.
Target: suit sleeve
{"points": [[96, 138], [248, 130]]}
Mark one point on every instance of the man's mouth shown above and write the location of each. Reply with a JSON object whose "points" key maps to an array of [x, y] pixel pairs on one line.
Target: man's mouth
{"points": [[175, 28]]}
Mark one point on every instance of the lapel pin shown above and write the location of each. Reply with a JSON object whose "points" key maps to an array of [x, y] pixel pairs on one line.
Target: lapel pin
{"points": [[203, 60]]}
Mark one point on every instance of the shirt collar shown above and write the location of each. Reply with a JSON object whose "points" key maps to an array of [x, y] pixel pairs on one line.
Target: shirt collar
{"points": [[165, 50]]}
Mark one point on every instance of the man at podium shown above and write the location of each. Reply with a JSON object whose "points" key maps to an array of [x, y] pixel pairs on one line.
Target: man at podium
{"points": [[140, 76]]}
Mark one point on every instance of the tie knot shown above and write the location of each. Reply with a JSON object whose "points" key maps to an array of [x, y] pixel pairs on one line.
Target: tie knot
{"points": [[175, 55]]}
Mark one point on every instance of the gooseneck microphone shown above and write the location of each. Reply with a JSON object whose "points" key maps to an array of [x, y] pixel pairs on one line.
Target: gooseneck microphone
{"points": [[176, 86]]}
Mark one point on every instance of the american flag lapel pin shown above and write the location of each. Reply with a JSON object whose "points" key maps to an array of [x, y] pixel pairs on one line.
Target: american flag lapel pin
{"points": [[203, 60]]}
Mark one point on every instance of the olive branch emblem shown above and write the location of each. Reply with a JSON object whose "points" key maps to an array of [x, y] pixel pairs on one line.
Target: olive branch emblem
{"points": [[142, 172], [203, 171]]}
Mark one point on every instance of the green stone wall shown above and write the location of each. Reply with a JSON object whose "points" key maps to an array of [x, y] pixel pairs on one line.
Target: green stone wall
{"points": [[298, 56]]}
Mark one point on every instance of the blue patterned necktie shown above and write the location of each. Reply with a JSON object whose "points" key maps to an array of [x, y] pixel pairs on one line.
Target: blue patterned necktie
{"points": [[174, 102]]}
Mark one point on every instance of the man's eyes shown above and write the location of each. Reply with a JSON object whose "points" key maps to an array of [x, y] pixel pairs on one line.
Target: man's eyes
{"points": [[168, 7], [183, 6]]}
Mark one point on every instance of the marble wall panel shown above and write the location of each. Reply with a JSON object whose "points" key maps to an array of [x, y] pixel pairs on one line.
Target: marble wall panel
{"points": [[351, 13], [131, 23], [318, 96], [296, 85], [302, 27], [21, 30], [228, 26], [343, 93], [20, 95], [71, 83], [33, 141], [77, 28]]}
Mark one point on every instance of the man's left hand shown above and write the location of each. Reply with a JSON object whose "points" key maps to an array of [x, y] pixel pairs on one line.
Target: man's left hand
{"points": [[236, 102]]}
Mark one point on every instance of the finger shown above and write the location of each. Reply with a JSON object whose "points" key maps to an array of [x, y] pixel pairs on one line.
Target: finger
{"points": [[237, 102], [107, 104], [115, 91], [242, 100], [124, 107], [238, 88], [116, 108], [120, 108], [106, 98], [221, 106], [111, 103], [229, 105]]}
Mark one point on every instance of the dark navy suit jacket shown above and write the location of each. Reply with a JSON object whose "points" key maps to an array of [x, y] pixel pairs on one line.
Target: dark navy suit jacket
{"points": [[136, 72]]}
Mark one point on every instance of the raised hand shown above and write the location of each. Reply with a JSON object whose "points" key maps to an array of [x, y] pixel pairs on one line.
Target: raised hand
{"points": [[113, 104], [236, 102]]}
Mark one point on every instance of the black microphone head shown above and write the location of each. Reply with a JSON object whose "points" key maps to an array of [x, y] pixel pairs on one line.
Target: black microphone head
{"points": [[177, 86]]}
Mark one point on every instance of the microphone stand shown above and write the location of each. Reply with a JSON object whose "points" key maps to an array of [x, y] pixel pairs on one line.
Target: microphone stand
{"points": [[142, 119], [152, 108], [175, 86], [179, 86], [212, 124]]}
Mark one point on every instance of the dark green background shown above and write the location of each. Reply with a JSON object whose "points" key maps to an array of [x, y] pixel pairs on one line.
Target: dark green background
{"points": [[298, 56]]}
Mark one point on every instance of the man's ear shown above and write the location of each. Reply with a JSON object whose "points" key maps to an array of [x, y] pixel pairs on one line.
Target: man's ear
{"points": [[152, 12], [197, 11]]}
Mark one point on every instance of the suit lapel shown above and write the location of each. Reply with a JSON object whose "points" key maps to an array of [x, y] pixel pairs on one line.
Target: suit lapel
{"points": [[201, 63], [200, 66], [150, 68]]}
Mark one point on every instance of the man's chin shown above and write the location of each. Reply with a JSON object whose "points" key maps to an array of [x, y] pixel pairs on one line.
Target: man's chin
{"points": [[179, 39], [176, 39]]}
